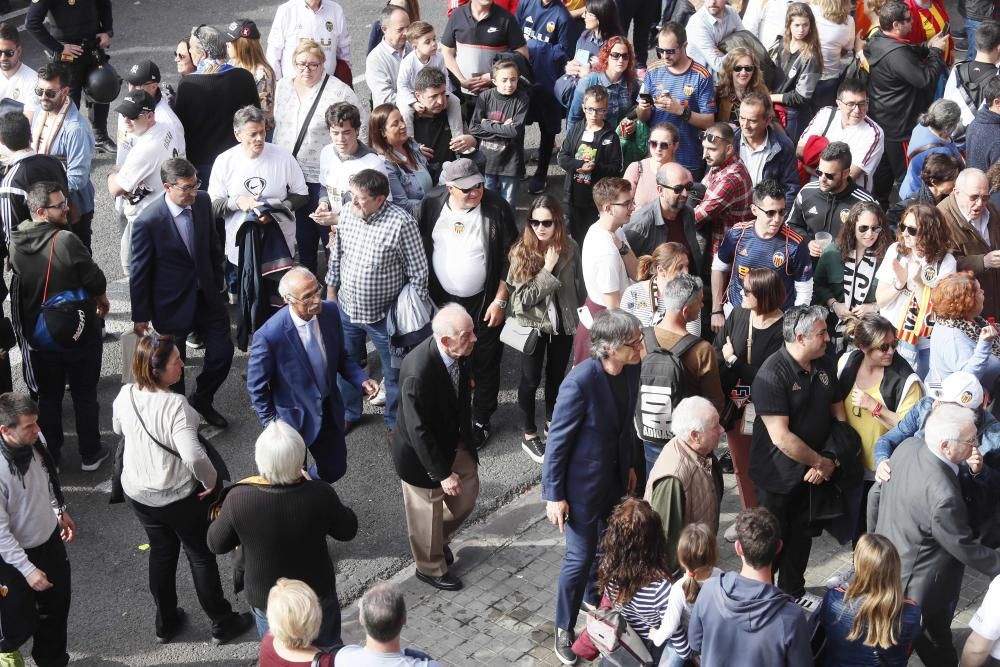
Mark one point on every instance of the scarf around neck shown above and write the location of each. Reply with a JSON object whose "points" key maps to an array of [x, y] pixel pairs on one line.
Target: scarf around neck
{"points": [[18, 459]]}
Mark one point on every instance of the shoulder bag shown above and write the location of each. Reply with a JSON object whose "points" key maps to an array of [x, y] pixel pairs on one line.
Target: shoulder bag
{"points": [[617, 642], [521, 338], [67, 320], [308, 118]]}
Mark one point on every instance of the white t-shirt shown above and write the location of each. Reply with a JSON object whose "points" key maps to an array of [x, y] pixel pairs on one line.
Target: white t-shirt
{"points": [[459, 255], [766, 20], [20, 87], [335, 174], [164, 115], [142, 168], [866, 140], [603, 268], [294, 21], [986, 622], [834, 39], [272, 174], [893, 311]]}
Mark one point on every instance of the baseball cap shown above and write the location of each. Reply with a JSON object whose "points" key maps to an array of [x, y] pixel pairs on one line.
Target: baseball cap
{"points": [[462, 173], [144, 71], [242, 28], [135, 103], [962, 388]]}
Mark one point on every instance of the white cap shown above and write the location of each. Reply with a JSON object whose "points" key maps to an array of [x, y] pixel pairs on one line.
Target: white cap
{"points": [[962, 388]]}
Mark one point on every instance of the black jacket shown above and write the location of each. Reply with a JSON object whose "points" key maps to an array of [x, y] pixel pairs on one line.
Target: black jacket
{"points": [[18, 179], [608, 160], [646, 229], [205, 106], [901, 83], [431, 420], [497, 214], [818, 211]]}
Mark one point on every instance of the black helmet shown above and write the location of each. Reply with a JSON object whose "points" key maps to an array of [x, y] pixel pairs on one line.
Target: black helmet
{"points": [[103, 84]]}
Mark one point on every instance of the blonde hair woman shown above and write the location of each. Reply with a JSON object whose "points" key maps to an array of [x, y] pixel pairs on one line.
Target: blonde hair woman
{"points": [[740, 74], [654, 271], [294, 615]]}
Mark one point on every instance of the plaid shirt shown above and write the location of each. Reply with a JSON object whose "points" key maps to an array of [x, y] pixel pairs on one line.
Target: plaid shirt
{"points": [[728, 195], [372, 260]]}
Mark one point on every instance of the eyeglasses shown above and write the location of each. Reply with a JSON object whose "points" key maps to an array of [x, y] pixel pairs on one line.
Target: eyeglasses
{"points": [[308, 66], [541, 223], [662, 53], [635, 342], [829, 175], [907, 229], [47, 93], [473, 188], [306, 298], [854, 105], [62, 206], [709, 137], [744, 68], [679, 188], [864, 229], [618, 55], [774, 213], [598, 111], [627, 204], [659, 145], [8, 53], [185, 188]]}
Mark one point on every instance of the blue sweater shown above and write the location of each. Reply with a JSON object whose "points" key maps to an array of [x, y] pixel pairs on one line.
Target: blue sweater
{"points": [[922, 136], [836, 618], [952, 350]]}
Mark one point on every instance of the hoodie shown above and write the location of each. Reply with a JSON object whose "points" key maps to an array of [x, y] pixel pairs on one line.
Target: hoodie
{"points": [[924, 138], [901, 83], [982, 139], [738, 621]]}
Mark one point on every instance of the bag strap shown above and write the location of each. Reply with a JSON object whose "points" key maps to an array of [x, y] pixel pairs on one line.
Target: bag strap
{"points": [[48, 271], [309, 115], [131, 396], [682, 346], [960, 82], [829, 122], [926, 147]]}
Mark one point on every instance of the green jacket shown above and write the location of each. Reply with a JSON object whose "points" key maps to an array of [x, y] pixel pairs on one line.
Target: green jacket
{"points": [[529, 300], [828, 278]]}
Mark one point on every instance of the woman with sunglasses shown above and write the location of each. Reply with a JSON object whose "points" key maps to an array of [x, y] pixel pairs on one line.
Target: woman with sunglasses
{"points": [[799, 62], [844, 280], [182, 58], [962, 340], [912, 267], [663, 142], [879, 387], [546, 289], [615, 70], [740, 74]]}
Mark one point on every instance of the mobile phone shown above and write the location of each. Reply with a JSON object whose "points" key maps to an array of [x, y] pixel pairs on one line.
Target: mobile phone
{"points": [[946, 28], [646, 97]]}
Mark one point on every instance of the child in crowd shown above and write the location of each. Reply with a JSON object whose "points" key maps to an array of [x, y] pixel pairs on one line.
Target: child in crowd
{"points": [[697, 554], [590, 151], [498, 123], [424, 41]]}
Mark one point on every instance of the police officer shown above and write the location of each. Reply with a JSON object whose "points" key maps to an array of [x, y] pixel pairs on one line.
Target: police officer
{"points": [[77, 33]]}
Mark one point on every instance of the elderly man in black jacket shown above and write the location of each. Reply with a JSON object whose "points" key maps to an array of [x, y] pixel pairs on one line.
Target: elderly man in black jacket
{"points": [[431, 444], [467, 232]]}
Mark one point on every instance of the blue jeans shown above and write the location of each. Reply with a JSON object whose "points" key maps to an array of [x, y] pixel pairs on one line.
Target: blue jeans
{"points": [[354, 342], [971, 26], [329, 629], [506, 186], [669, 657], [652, 453]]}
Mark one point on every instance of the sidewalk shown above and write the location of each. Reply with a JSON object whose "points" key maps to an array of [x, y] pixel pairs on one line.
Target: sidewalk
{"points": [[510, 566]]}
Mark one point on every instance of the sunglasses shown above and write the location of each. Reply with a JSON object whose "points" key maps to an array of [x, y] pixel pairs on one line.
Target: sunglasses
{"points": [[465, 191], [864, 229], [744, 68], [679, 188], [829, 175], [47, 93], [660, 53], [179, 56], [659, 145], [618, 55], [709, 137], [541, 223], [907, 229], [774, 213], [8, 53], [885, 347]]}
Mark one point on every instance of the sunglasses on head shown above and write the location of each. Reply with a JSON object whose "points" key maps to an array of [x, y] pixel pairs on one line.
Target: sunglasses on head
{"points": [[744, 68], [659, 145], [679, 188], [709, 137], [660, 53], [541, 223], [864, 229], [46, 93]]}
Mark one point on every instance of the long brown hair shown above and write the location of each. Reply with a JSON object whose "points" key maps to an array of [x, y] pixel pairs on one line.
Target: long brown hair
{"points": [[876, 592], [249, 54], [633, 550], [726, 89], [847, 240], [527, 256], [666, 256], [697, 550], [933, 240], [376, 136], [810, 49]]}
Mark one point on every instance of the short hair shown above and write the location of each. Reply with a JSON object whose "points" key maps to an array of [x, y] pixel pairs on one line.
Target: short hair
{"points": [[152, 353], [759, 535], [343, 112], [211, 40], [724, 131], [15, 130], [13, 406], [800, 319], [596, 93], [309, 46], [382, 612], [855, 86], [418, 29], [837, 151], [176, 168], [943, 115], [939, 168], [765, 285], [681, 291], [248, 114], [293, 613], [56, 70], [504, 63], [443, 323], [612, 328], [8, 33], [890, 13], [428, 77], [694, 413], [946, 422], [955, 295], [294, 273], [607, 190], [386, 14], [987, 36], [991, 89], [373, 182], [674, 28], [768, 188], [39, 193], [279, 453], [759, 99]]}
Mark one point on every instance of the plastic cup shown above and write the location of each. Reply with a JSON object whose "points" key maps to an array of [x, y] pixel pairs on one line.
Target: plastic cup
{"points": [[823, 239]]}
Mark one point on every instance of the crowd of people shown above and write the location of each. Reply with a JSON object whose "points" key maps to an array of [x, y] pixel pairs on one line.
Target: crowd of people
{"points": [[778, 227]]}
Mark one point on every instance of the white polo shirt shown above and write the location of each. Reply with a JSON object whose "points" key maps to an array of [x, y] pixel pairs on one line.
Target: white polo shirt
{"points": [[142, 168], [295, 21]]}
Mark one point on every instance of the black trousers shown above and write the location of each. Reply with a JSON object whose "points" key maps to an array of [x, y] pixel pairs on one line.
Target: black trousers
{"points": [[580, 220], [644, 13], [558, 349], [891, 169], [792, 512], [184, 522], [82, 368], [214, 328], [934, 644], [25, 612], [486, 355], [79, 69]]}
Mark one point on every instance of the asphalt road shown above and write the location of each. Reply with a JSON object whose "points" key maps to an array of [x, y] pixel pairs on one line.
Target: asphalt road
{"points": [[112, 616]]}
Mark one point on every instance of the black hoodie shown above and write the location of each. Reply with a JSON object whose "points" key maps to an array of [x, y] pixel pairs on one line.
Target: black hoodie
{"points": [[901, 83]]}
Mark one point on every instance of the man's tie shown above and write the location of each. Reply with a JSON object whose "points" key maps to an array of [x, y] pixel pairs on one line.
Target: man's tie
{"points": [[315, 357], [185, 225], [453, 371]]}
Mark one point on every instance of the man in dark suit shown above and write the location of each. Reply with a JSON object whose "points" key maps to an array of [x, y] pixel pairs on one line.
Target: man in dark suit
{"points": [[432, 446], [588, 459], [922, 512], [292, 372], [177, 277]]}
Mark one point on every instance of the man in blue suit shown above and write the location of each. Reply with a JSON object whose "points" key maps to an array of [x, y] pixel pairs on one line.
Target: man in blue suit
{"points": [[588, 459], [292, 372], [177, 277]]}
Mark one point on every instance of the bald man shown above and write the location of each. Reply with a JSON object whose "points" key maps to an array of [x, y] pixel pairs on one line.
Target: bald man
{"points": [[975, 227]]}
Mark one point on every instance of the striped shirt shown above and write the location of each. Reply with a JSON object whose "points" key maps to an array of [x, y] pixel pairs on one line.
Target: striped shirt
{"points": [[645, 611], [696, 91], [785, 252]]}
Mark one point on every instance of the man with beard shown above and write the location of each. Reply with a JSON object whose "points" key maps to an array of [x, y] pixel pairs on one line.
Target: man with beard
{"points": [[727, 184], [17, 80], [433, 129]]}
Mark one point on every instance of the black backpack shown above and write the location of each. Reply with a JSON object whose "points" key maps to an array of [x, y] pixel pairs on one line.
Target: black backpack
{"points": [[971, 91], [663, 383]]}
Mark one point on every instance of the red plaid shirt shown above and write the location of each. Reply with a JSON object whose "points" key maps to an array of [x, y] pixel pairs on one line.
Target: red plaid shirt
{"points": [[727, 199]]}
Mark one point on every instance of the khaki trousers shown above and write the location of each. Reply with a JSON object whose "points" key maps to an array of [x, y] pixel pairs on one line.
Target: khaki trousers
{"points": [[432, 518]]}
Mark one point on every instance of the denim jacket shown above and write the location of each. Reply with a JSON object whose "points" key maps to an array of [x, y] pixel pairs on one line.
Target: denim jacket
{"points": [[403, 183]]}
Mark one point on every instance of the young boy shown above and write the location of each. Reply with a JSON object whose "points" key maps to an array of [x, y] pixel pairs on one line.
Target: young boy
{"points": [[498, 123], [423, 39], [589, 152]]}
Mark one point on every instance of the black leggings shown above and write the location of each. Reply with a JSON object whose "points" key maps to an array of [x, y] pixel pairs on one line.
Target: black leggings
{"points": [[645, 14], [559, 348]]}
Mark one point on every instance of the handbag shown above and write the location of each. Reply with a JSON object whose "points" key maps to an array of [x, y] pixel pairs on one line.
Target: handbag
{"points": [[614, 638], [521, 338], [308, 118], [67, 320]]}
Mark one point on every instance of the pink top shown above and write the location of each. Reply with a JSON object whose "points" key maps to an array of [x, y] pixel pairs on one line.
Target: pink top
{"points": [[643, 180]]}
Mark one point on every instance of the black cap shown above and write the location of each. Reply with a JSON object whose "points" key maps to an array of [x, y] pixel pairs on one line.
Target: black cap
{"points": [[242, 28], [136, 103], [144, 71]]}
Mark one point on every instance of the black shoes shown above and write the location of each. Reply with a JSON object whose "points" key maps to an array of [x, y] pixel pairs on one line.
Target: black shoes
{"points": [[104, 143], [534, 448], [208, 413], [232, 628], [480, 434], [449, 557], [194, 341], [92, 463], [170, 631], [564, 646], [446, 582]]}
